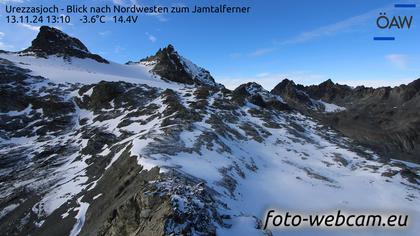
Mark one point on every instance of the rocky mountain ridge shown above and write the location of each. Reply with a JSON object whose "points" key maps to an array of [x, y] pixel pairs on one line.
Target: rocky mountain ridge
{"points": [[169, 65], [385, 119]]}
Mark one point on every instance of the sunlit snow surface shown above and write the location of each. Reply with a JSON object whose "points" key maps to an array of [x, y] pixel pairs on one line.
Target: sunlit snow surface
{"points": [[328, 107], [291, 170], [86, 71]]}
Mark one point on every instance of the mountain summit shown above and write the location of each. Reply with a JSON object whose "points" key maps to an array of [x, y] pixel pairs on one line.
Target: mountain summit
{"points": [[52, 41], [169, 65]]}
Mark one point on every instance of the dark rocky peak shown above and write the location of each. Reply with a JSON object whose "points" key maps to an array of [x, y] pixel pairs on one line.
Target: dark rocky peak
{"points": [[169, 65], [257, 95], [284, 84], [407, 92], [51, 41], [169, 49], [245, 91], [250, 88], [162, 54], [292, 93], [287, 84], [415, 84], [328, 91], [327, 83]]}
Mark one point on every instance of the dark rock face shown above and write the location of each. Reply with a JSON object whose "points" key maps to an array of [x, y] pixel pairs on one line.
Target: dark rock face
{"points": [[255, 94], [240, 94], [121, 94], [385, 119], [292, 94], [328, 91], [51, 41], [124, 208], [169, 65]]}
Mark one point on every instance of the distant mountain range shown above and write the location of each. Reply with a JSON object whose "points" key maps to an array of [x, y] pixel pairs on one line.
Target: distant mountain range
{"points": [[158, 147]]}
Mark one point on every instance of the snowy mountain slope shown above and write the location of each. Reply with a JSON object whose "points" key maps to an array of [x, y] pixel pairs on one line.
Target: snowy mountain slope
{"points": [[89, 148], [85, 71]]}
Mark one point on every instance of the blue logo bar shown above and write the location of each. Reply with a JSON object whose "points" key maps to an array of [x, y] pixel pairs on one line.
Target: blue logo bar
{"points": [[404, 5], [384, 38]]}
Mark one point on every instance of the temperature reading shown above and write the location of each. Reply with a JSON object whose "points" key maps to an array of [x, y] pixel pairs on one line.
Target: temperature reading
{"points": [[93, 19]]}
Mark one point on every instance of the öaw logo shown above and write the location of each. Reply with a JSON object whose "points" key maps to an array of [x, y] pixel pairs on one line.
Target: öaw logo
{"points": [[395, 22], [385, 22]]}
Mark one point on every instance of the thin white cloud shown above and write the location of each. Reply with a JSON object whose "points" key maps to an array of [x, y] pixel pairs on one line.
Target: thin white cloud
{"points": [[160, 17], [235, 55], [346, 25], [30, 27], [1, 35], [118, 49], [335, 28], [104, 33], [398, 60], [257, 53], [151, 37], [261, 52], [263, 74]]}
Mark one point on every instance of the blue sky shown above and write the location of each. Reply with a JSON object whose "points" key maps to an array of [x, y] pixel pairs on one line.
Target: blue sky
{"points": [[305, 40]]}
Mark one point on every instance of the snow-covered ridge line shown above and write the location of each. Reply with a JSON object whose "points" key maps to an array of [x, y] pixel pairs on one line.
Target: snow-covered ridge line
{"points": [[86, 71]]}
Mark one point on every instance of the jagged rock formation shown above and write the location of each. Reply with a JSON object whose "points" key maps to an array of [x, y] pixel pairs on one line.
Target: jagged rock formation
{"points": [[385, 119], [51, 41], [292, 94], [168, 64], [159, 148], [257, 95]]}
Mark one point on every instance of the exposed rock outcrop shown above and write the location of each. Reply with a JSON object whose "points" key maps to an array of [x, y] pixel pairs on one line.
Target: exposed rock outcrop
{"points": [[51, 41], [168, 64]]}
